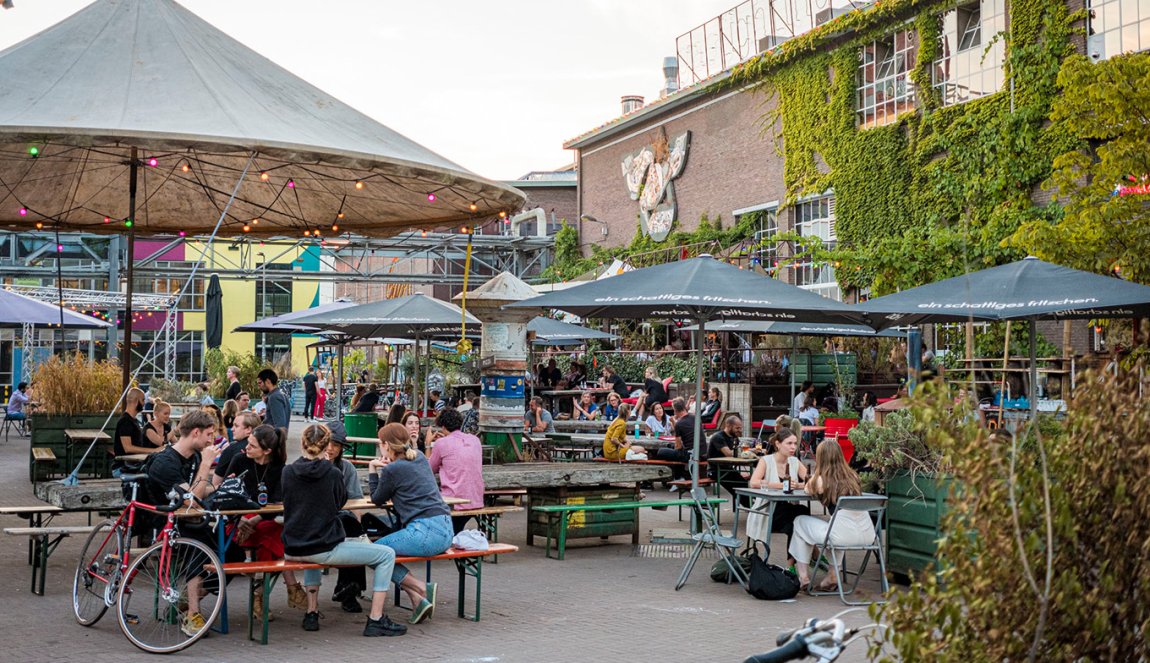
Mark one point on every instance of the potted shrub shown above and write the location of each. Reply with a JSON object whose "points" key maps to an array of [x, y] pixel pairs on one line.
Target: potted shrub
{"points": [[900, 462], [73, 393]]}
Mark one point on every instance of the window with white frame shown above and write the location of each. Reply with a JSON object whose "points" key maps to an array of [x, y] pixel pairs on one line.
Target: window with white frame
{"points": [[151, 360], [1117, 26], [766, 248], [816, 218], [971, 65], [884, 87], [193, 299]]}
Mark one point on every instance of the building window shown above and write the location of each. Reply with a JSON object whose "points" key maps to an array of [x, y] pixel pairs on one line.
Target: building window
{"points": [[968, 68], [884, 86], [151, 361], [193, 299], [816, 218], [1117, 26], [766, 249], [273, 297]]}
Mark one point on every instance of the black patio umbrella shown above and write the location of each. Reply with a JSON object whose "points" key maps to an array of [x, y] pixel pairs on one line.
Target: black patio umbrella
{"points": [[700, 290], [415, 316], [1028, 289], [549, 331], [214, 313]]}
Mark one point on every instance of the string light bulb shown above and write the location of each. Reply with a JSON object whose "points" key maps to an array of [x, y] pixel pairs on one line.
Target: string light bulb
{"points": [[359, 184], [59, 248], [502, 214], [107, 219], [128, 223], [264, 175], [473, 207], [423, 233], [463, 229], [335, 227], [339, 215], [183, 233], [185, 167], [256, 221], [247, 228], [291, 184], [306, 232], [23, 211], [34, 151], [153, 162], [39, 225], [431, 197]]}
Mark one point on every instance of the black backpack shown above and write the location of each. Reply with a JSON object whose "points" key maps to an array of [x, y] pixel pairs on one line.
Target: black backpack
{"points": [[768, 582]]}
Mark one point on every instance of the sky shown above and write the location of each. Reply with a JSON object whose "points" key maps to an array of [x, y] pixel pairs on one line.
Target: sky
{"points": [[495, 86]]}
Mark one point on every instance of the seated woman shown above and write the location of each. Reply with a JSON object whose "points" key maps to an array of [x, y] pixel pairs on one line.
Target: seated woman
{"points": [[228, 414], [869, 402], [610, 409], [659, 422], [397, 414], [314, 491], [159, 431], [832, 479], [261, 468], [713, 404], [767, 475], [403, 476], [221, 435], [411, 423], [360, 390], [585, 408], [615, 441], [653, 391], [369, 401]]}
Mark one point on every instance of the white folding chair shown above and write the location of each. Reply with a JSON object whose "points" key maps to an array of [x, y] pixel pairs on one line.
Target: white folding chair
{"points": [[710, 536], [873, 506]]}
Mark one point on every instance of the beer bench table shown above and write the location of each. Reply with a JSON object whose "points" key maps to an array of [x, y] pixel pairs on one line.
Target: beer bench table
{"points": [[559, 518], [467, 562], [44, 542]]}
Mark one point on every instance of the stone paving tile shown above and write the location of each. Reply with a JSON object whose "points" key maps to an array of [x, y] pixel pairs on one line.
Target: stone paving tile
{"points": [[600, 604]]}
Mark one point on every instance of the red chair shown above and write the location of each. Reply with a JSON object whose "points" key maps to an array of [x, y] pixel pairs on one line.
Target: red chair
{"points": [[847, 447], [713, 424]]}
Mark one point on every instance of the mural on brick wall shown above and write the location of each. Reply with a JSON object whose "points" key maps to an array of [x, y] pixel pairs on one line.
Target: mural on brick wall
{"points": [[649, 174]]}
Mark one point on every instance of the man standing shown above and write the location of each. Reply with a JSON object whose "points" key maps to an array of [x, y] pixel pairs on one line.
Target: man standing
{"points": [[186, 466], [309, 393], [234, 389], [684, 441], [278, 407], [723, 444]]}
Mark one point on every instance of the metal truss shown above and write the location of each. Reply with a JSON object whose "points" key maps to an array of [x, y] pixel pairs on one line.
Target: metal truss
{"points": [[94, 299]]}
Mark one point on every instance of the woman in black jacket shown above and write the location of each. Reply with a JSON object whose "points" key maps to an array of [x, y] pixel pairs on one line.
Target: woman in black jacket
{"points": [[314, 492]]}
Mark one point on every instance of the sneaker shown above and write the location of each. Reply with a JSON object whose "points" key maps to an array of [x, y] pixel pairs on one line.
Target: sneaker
{"points": [[383, 627], [420, 612], [432, 590], [311, 621], [673, 489], [193, 624], [344, 592], [351, 605], [297, 597]]}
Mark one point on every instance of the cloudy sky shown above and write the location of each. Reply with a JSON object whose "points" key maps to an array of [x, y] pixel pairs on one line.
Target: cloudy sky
{"points": [[496, 86]]}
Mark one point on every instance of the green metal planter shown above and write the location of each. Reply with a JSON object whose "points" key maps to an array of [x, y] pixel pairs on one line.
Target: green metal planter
{"points": [[913, 514]]}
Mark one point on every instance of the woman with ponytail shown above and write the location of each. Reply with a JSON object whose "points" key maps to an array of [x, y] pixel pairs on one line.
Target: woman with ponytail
{"points": [[403, 476], [314, 491]]}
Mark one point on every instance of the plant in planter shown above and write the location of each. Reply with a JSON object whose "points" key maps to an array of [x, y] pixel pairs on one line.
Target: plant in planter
{"points": [[73, 393]]}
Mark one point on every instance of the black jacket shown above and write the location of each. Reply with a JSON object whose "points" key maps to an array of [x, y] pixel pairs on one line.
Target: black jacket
{"points": [[313, 493]]}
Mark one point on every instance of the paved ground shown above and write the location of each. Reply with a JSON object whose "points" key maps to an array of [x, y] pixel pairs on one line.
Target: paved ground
{"points": [[603, 603]]}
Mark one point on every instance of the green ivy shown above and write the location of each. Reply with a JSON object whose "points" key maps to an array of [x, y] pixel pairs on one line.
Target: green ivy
{"points": [[942, 189]]}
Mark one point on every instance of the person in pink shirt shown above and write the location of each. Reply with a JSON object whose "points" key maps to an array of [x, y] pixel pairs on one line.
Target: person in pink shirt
{"points": [[458, 460]]}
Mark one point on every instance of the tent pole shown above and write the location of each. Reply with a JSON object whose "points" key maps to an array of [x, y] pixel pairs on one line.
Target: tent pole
{"points": [[126, 353], [338, 386], [794, 351], [415, 377], [698, 405]]}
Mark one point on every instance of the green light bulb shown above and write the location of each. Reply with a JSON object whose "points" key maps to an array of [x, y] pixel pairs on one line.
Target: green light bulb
{"points": [[127, 223], [34, 151]]}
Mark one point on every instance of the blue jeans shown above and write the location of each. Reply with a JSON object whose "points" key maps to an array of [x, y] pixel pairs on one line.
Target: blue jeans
{"points": [[423, 537], [16, 416], [349, 553]]}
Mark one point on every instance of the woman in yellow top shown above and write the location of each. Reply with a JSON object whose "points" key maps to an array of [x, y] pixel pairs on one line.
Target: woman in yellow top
{"points": [[615, 442]]}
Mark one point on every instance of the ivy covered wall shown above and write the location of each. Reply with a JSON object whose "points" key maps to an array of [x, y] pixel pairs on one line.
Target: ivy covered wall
{"points": [[941, 189]]}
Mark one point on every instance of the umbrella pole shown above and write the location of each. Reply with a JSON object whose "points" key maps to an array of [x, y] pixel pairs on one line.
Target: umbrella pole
{"points": [[1033, 373], [126, 352], [338, 387], [698, 406], [415, 374], [794, 351]]}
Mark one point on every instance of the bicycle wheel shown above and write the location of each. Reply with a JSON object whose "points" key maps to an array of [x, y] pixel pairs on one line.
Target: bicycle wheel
{"points": [[97, 573], [152, 605]]}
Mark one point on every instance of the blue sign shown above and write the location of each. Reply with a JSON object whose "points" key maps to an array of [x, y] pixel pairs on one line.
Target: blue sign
{"points": [[503, 386]]}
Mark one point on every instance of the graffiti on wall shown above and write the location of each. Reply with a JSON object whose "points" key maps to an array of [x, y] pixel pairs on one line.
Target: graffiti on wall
{"points": [[649, 174]]}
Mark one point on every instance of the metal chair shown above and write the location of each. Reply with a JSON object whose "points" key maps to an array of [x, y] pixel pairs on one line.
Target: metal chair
{"points": [[12, 422], [709, 535], [873, 506]]}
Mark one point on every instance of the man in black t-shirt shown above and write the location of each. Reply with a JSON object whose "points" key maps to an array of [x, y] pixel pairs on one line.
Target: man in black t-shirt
{"points": [[612, 380], [684, 441], [309, 393], [724, 444], [129, 437]]}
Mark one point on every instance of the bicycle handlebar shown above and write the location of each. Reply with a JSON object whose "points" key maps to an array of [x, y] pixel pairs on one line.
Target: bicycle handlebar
{"points": [[795, 649]]}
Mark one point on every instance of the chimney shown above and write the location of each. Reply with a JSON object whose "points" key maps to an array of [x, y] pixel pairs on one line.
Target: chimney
{"points": [[670, 74], [632, 102]]}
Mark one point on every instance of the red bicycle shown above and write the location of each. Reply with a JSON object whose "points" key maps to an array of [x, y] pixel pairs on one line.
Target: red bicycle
{"points": [[166, 597]]}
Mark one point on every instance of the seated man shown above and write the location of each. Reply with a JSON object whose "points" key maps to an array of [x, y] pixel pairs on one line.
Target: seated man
{"points": [[437, 400], [723, 445], [17, 402], [538, 419], [684, 441], [186, 466]]}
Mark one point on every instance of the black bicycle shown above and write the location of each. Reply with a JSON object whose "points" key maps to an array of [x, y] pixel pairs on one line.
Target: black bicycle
{"points": [[821, 639]]}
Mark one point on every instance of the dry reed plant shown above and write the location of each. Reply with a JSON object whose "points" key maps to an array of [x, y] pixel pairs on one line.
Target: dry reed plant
{"points": [[72, 385]]}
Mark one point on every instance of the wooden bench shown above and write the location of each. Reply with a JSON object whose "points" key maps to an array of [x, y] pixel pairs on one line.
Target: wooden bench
{"points": [[44, 542], [571, 454], [487, 519], [35, 515], [43, 463], [558, 514], [467, 562], [490, 497]]}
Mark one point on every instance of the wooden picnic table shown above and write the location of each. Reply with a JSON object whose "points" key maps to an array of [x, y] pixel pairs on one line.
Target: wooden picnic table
{"points": [[575, 425], [76, 441], [560, 393]]}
